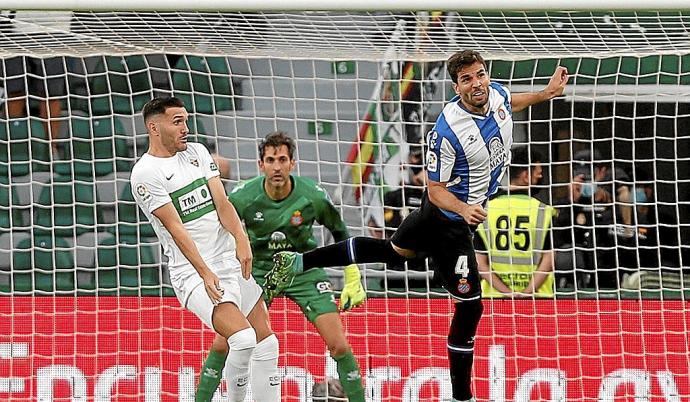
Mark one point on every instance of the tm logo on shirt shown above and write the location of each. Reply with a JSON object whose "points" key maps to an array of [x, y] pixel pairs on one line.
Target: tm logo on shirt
{"points": [[193, 200]]}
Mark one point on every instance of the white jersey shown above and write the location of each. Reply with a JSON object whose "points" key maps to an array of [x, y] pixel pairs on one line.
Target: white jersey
{"points": [[182, 180], [470, 152]]}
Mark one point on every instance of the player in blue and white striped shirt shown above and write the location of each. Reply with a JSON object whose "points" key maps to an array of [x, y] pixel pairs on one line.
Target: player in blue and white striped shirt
{"points": [[469, 150]]}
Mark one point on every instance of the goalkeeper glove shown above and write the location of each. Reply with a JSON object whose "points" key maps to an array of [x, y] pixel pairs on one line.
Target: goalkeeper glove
{"points": [[353, 293]]}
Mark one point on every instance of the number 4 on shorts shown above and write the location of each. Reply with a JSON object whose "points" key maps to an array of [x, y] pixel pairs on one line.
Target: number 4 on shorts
{"points": [[461, 267]]}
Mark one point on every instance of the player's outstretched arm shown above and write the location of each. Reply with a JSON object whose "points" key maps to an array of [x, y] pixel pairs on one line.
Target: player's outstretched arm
{"points": [[232, 223], [172, 222], [555, 88]]}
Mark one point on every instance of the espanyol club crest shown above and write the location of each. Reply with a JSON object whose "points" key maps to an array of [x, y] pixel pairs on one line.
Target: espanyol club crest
{"points": [[501, 114], [463, 286], [194, 162], [296, 219]]}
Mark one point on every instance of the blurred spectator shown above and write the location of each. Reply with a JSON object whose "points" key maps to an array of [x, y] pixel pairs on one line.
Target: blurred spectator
{"points": [[598, 184], [594, 230], [397, 205], [223, 165], [645, 218], [657, 246], [221, 162], [26, 78], [513, 245]]}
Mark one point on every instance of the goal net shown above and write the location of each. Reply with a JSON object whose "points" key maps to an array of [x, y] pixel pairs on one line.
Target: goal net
{"points": [[87, 311]]}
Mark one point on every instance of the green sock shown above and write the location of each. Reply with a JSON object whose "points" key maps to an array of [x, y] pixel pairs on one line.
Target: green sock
{"points": [[210, 376], [350, 378]]}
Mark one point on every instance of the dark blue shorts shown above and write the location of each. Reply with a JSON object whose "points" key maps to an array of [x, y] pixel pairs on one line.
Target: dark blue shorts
{"points": [[448, 243]]}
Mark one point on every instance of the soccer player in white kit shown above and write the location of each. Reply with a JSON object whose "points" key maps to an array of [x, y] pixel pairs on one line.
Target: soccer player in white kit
{"points": [[177, 185]]}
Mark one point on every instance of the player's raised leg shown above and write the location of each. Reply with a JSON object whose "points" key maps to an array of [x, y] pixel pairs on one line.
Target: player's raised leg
{"points": [[354, 250]]}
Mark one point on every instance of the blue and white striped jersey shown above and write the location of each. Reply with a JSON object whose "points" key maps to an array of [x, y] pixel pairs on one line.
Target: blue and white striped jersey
{"points": [[470, 152]]}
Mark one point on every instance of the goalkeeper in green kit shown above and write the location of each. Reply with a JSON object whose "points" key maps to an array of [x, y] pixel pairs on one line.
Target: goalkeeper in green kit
{"points": [[279, 210]]}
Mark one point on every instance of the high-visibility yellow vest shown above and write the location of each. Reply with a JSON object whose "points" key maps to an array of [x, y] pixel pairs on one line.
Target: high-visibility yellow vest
{"points": [[514, 233]]}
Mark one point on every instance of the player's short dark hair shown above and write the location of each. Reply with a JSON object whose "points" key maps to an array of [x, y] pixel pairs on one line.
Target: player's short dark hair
{"points": [[159, 105], [522, 159], [460, 60], [275, 140]]}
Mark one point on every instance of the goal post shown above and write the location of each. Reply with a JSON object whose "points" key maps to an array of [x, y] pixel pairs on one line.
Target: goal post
{"points": [[354, 5], [88, 312]]}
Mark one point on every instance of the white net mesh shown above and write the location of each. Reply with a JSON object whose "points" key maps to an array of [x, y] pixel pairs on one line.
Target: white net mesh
{"points": [[326, 35], [83, 275]]}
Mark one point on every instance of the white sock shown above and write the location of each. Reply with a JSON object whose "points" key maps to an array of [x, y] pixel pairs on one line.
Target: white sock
{"points": [[241, 345], [265, 377]]}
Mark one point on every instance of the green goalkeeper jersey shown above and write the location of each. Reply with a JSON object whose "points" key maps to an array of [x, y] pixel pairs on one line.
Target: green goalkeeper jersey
{"points": [[284, 225]]}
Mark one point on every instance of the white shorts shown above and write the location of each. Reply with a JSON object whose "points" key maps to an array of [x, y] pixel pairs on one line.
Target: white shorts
{"points": [[244, 293]]}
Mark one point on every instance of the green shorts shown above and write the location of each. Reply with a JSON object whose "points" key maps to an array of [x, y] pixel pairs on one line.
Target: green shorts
{"points": [[311, 290]]}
